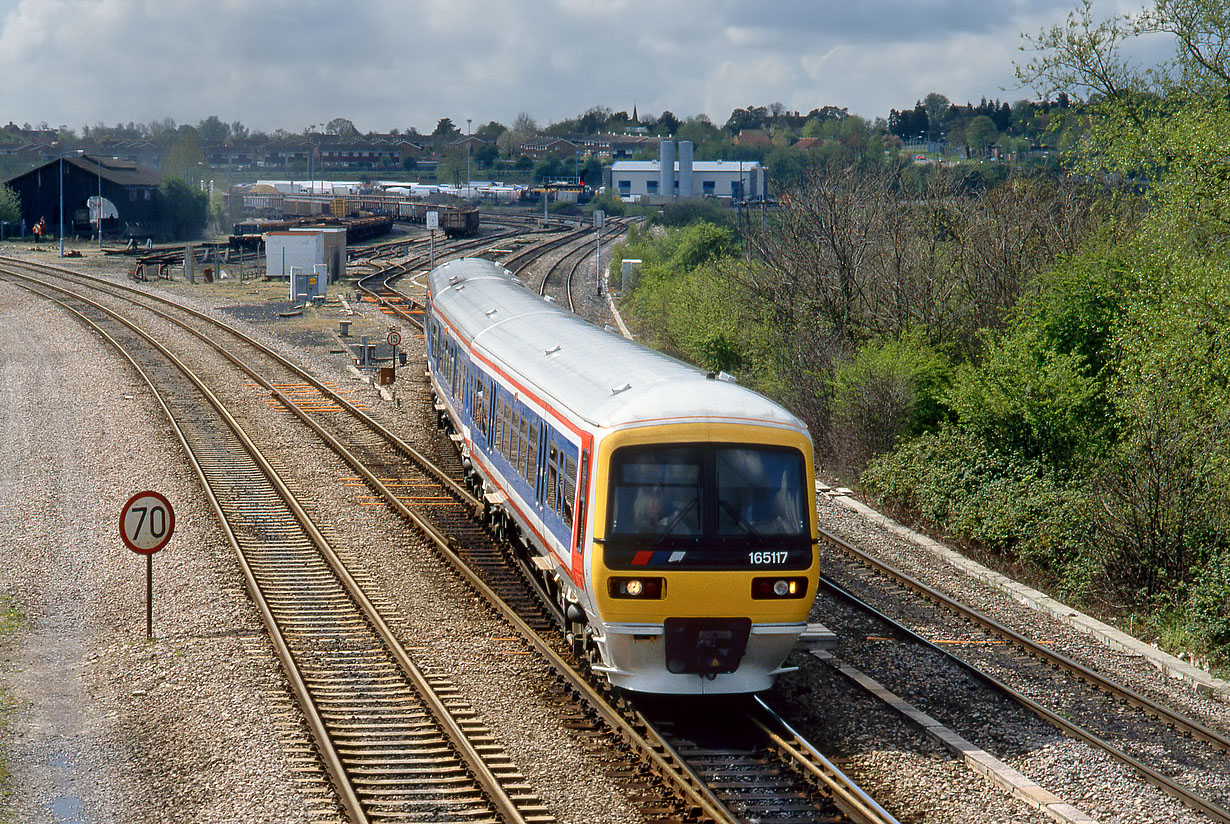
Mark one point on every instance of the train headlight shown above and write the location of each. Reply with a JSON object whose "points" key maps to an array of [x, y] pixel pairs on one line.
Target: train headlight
{"points": [[775, 588], [639, 588]]}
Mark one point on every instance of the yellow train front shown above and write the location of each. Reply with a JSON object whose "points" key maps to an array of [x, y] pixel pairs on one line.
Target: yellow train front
{"points": [[670, 512], [703, 569]]}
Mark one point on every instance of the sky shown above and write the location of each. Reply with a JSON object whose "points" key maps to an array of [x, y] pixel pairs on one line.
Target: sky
{"points": [[385, 64]]}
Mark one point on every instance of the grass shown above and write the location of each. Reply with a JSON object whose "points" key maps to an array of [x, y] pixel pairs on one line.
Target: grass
{"points": [[11, 619]]}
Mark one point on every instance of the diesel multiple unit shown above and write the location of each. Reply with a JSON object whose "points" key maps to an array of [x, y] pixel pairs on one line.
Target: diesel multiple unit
{"points": [[671, 513]]}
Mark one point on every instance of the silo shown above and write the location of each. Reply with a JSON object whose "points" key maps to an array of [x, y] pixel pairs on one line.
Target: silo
{"points": [[666, 168], [685, 169]]}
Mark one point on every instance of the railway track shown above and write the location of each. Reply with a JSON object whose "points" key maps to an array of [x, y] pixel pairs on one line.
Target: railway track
{"points": [[379, 285], [1164, 747], [564, 270], [399, 746], [452, 519]]}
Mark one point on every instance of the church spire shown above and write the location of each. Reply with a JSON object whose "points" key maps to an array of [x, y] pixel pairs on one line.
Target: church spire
{"points": [[635, 121]]}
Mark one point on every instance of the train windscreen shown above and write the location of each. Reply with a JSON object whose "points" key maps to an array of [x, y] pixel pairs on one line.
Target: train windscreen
{"points": [[715, 498]]}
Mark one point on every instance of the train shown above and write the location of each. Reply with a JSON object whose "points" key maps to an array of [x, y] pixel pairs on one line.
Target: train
{"points": [[250, 234], [455, 221], [670, 513]]}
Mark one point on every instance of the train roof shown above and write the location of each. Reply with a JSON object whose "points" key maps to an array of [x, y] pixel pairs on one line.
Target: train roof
{"points": [[597, 375]]}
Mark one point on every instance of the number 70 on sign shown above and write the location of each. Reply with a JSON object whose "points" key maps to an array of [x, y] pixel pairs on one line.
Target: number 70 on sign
{"points": [[146, 522]]}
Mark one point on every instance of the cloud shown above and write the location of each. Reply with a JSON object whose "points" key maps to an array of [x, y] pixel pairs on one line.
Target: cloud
{"points": [[395, 64]]}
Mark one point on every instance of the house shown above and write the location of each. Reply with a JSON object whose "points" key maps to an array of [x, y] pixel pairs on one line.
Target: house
{"points": [[540, 147]]}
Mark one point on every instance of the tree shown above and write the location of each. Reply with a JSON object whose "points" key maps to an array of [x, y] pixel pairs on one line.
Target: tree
{"points": [[593, 121], [490, 131], [549, 166], [1160, 126], [936, 105], [667, 123], [445, 129], [753, 117], [486, 155], [10, 205], [524, 127], [213, 130], [980, 135], [184, 208], [341, 127], [452, 166], [591, 172], [185, 158], [699, 129], [525, 123]]}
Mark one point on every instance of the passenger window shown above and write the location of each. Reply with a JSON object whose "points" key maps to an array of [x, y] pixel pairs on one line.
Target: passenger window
{"points": [[531, 461], [553, 496], [515, 450], [523, 461], [505, 434], [479, 413]]}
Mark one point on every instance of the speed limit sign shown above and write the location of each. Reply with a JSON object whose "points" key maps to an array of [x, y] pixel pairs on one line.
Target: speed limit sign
{"points": [[394, 337], [146, 522]]}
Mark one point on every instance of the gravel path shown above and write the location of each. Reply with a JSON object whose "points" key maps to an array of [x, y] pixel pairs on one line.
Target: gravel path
{"points": [[103, 724]]}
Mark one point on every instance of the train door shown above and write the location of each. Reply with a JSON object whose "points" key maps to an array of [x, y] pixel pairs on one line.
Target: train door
{"points": [[580, 488], [544, 438]]}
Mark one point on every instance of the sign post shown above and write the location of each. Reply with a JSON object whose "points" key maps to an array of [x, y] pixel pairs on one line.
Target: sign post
{"points": [[394, 339], [433, 223], [146, 524]]}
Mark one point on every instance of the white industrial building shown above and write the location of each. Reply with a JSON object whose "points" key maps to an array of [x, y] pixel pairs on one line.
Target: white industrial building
{"points": [[304, 249], [668, 177]]}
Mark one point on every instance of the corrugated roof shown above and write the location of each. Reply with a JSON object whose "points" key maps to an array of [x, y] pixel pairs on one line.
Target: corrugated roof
{"points": [[121, 172]]}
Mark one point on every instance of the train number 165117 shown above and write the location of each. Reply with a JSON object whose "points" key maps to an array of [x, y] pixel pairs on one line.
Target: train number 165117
{"points": [[768, 557]]}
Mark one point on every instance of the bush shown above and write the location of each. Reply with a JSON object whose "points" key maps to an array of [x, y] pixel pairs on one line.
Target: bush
{"points": [[1028, 399], [887, 391], [1008, 503]]}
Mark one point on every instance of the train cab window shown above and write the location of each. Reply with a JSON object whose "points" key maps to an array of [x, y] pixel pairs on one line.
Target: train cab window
{"points": [[657, 492], [732, 494], [759, 492]]}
